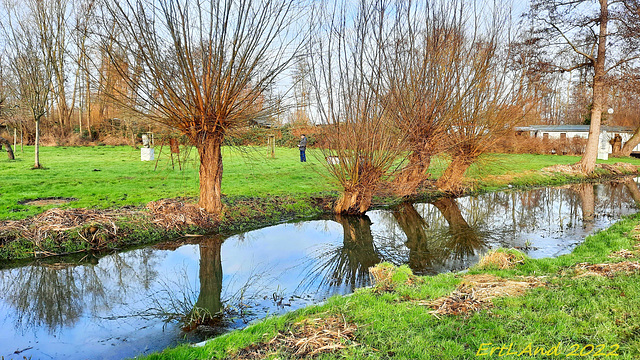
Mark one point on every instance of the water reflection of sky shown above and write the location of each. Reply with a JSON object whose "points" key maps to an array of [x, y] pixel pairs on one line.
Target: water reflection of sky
{"points": [[111, 309]]}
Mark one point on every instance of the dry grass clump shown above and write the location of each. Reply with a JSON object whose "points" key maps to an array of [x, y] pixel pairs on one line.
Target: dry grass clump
{"points": [[458, 303], [501, 259], [39, 227], [307, 338], [386, 276], [477, 291], [608, 270], [619, 168], [97, 227], [381, 273], [175, 214], [624, 253]]}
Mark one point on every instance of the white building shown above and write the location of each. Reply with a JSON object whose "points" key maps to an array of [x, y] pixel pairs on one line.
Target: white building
{"points": [[607, 133]]}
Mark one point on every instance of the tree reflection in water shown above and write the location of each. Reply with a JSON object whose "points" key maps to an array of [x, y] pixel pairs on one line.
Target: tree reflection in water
{"points": [[54, 296], [632, 188], [346, 264], [178, 300], [433, 246], [446, 242], [209, 297], [587, 203], [463, 241], [45, 295], [208, 307]]}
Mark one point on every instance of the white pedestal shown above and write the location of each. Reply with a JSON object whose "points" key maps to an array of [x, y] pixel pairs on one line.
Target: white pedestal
{"points": [[603, 146], [146, 154]]}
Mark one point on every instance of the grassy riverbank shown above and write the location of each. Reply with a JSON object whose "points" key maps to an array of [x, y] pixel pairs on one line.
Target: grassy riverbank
{"points": [[110, 177], [117, 195], [568, 308]]}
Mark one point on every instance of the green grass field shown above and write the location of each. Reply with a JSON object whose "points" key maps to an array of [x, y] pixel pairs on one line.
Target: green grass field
{"points": [[123, 179], [106, 176]]}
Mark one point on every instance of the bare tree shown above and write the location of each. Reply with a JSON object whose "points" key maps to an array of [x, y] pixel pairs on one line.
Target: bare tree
{"points": [[603, 36], [4, 106], [84, 14], [51, 19], [31, 65], [421, 63], [362, 145], [200, 67], [487, 100]]}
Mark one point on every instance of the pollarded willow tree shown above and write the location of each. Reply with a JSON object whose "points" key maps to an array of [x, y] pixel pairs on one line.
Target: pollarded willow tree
{"points": [[487, 101], [201, 67], [421, 79], [346, 69]]}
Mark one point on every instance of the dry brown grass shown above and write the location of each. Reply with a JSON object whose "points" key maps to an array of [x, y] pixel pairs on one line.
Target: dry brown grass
{"points": [[500, 260], [97, 227], [619, 168], [172, 214], [41, 226], [307, 338], [606, 270], [476, 292], [624, 253], [381, 274]]}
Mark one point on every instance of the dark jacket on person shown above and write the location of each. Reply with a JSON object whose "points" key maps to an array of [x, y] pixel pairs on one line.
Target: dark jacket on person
{"points": [[303, 144]]}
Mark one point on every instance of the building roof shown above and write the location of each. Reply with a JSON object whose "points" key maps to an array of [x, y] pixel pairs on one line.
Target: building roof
{"points": [[262, 121], [572, 128]]}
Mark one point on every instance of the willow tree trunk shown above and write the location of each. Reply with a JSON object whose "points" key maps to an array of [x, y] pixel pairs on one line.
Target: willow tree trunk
{"points": [[6, 143], [451, 180], [210, 150], [588, 162], [355, 201], [37, 146], [413, 175], [628, 147]]}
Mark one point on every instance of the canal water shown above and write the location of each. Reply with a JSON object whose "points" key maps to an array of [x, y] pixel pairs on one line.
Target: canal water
{"points": [[131, 303]]}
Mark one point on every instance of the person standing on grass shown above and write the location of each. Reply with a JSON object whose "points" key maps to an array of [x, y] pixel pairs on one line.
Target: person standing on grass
{"points": [[303, 147]]}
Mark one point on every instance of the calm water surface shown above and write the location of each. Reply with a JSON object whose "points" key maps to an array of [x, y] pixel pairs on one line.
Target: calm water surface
{"points": [[130, 303]]}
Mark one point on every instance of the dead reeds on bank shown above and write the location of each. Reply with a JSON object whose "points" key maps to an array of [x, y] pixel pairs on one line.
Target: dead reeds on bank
{"points": [[95, 229], [307, 338], [477, 291]]}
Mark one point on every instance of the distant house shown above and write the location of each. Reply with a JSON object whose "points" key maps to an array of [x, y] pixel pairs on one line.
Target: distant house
{"points": [[262, 122], [607, 133]]}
